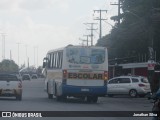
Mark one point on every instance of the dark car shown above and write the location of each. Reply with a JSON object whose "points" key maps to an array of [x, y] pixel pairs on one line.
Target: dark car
{"points": [[34, 76], [26, 77]]}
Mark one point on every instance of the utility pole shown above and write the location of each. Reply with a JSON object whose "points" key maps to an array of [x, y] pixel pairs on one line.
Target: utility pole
{"points": [[83, 40], [10, 55], [37, 56], [100, 21], [26, 54], [34, 56], [87, 38], [119, 7], [28, 62], [91, 29], [3, 45], [18, 51]]}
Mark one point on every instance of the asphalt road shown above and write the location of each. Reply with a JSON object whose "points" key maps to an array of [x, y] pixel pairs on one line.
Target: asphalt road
{"points": [[35, 99]]}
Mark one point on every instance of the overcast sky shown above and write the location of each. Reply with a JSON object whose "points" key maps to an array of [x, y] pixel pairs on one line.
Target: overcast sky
{"points": [[41, 25]]}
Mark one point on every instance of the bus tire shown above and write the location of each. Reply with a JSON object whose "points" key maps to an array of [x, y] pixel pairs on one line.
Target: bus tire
{"points": [[61, 98], [83, 98], [19, 97], [110, 95], [50, 96], [89, 99], [58, 98], [95, 99]]}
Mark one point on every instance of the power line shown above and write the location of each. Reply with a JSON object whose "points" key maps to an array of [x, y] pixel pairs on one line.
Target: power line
{"points": [[100, 21], [87, 39], [109, 24], [91, 29], [83, 40], [119, 7]]}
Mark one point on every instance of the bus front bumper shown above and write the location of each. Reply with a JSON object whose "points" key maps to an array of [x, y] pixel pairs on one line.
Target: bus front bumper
{"points": [[84, 90]]}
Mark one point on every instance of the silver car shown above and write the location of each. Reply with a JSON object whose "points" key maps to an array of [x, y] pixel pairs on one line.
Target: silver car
{"points": [[132, 85], [10, 85]]}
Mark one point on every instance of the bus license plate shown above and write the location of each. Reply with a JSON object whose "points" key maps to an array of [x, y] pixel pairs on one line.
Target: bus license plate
{"points": [[84, 90], [7, 92]]}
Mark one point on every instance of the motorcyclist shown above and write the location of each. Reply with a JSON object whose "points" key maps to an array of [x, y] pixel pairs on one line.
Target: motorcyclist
{"points": [[156, 106]]}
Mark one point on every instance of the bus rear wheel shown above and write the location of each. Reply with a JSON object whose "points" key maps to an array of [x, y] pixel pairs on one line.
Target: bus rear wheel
{"points": [[61, 98], [89, 99], [50, 96], [19, 97], [95, 99]]}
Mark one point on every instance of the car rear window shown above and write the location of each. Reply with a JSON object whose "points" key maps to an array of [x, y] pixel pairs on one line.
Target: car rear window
{"points": [[134, 80], [144, 80], [8, 78], [124, 80]]}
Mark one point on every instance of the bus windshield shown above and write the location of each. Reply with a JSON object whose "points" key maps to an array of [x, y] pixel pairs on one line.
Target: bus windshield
{"points": [[85, 55]]}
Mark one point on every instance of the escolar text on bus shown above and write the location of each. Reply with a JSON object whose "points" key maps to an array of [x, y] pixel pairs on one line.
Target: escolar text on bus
{"points": [[85, 76]]}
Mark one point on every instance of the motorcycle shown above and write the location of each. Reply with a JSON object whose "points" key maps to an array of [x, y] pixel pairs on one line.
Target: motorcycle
{"points": [[156, 104]]}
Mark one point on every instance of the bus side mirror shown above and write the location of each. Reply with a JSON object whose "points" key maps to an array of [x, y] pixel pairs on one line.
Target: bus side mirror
{"points": [[44, 64]]}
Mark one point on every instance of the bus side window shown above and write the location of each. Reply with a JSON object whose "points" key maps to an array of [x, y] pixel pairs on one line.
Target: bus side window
{"points": [[49, 60], [60, 57], [54, 60]]}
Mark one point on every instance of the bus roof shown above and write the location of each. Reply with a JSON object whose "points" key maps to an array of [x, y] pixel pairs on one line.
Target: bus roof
{"points": [[74, 46]]}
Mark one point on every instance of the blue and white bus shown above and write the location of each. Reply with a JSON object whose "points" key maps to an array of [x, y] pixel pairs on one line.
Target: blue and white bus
{"points": [[78, 71]]}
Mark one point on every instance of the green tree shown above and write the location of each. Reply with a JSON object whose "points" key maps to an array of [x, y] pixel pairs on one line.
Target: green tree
{"points": [[8, 66], [134, 34]]}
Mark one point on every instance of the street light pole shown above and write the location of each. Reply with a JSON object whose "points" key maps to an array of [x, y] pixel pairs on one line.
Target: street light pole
{"points": [[34, 55], [37, 56], [18, 51], [100, 21], [3, 45]]}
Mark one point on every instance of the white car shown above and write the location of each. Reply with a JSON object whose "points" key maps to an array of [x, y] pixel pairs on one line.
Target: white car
{"points": [[10, 85], [132, 85]]}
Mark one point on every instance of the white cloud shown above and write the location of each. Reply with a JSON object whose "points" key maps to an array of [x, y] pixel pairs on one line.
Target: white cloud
{"points": [[47, 24], [35, 4], [32, 5], [42, 35], [8, 4]]}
